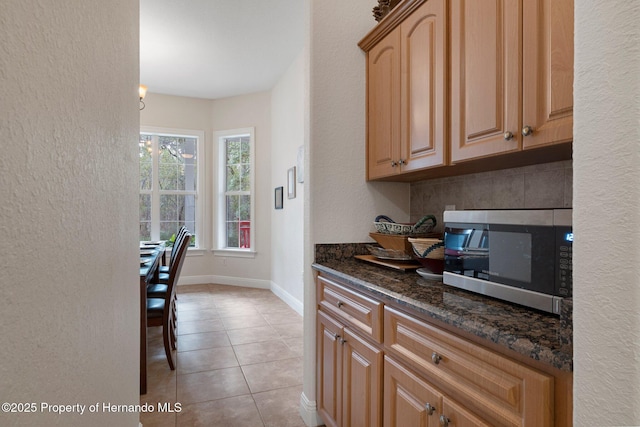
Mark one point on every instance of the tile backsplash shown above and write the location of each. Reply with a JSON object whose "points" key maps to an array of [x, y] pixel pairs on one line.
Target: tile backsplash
{"points": [[548, 185]]}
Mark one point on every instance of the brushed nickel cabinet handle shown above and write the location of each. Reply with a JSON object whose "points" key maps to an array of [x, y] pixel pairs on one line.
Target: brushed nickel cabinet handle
{"points": [[430, 408], [339, 304], [527, 130], [435, 358], [508, 136], [444, 421]]}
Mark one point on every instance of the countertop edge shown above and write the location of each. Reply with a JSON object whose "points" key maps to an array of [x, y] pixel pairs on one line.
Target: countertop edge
{"points": [[526, 347]]}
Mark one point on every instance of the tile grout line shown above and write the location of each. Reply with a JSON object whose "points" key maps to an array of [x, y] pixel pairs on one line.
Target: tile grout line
{"points": [[208, 303]]}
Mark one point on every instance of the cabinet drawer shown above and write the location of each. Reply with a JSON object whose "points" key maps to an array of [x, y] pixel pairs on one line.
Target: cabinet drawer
{"points": [[498, 388], [362, 313]]}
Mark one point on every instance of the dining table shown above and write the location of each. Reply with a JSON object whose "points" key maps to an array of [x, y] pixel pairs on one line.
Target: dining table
{"points": [[152, 254]]}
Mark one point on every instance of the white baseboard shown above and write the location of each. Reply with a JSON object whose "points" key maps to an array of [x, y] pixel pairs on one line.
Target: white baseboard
{"points": [[309, 412], [285, 296], [224, 280]]}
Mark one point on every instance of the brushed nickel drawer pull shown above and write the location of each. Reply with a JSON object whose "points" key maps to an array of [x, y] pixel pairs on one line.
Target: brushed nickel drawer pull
{"points": [[430, 408], [436, 358]]}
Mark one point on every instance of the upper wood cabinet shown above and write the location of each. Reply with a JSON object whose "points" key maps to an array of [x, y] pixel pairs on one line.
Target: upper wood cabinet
{"points": [[547, 71], [383, 107], [511, 75], [450, 81], [406, 85]]}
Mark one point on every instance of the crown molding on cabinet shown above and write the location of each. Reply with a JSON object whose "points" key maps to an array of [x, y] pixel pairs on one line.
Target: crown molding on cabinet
{"points": [[389, 22]]}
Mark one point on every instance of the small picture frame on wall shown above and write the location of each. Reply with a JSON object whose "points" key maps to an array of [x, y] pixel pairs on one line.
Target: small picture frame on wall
{"points": [[278, 197], [291, 183]]}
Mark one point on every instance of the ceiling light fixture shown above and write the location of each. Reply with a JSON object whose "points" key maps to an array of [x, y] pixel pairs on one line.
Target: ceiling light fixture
{"points": [[142, 91]]}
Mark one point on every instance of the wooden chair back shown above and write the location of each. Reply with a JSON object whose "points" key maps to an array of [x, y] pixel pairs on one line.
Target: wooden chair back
{"points": [[176, 243]]}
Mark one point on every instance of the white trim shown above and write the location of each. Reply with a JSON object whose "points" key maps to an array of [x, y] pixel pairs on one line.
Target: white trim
{"points": [[192, 251], [219, 191], [224, 280], [196, 252], [237, 253], [309, 412], [200, 178], [288, 298], [249, 283]]}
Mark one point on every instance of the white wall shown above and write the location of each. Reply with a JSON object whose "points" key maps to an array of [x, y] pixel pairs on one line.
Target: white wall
{"points": [[607, 213], [209, 116], [68, 171], [244, 111], [341, 205], [287, 232]]}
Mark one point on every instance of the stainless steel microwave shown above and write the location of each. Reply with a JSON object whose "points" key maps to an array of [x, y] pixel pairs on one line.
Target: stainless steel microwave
{"points": [[520, 256]]}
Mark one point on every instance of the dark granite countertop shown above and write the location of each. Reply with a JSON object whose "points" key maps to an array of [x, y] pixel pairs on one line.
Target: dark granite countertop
{"points": [[532, 333]]}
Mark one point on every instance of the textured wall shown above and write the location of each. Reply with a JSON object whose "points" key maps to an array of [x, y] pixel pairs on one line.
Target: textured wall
{"points": [[208, 116], [68, 184], [343, 204], [607, 213], [287, 233], [546, 186], [253, 110]]}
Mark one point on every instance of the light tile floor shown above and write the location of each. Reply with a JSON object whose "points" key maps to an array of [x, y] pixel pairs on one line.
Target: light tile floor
{"points": [[239, 361]]}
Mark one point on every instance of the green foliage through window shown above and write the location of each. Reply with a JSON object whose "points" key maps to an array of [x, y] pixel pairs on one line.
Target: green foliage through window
{"points": [[168, 185], [237, 191]]}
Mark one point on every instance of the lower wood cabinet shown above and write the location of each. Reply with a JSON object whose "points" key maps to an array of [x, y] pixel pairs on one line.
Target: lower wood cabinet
{"points": [[349, 376], [411, 401], [496, 388], [412, 373]]}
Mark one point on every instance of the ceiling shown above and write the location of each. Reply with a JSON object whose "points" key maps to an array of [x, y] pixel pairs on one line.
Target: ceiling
{"points": [[217, 48]]}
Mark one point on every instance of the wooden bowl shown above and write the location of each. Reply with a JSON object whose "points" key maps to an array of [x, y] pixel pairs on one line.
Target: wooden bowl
{"points": [[393, 241]]}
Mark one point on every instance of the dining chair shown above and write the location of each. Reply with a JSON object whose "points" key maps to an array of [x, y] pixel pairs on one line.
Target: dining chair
{"points": [[158, 288], [161, 311], [165, 268]]}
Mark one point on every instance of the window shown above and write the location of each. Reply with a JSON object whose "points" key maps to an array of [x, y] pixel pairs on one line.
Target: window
{"points": [[169, 183], [235, 196]]}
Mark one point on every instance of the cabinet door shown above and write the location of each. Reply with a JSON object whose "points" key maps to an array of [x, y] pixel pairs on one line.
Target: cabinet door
{"points": [[423, 108], [501, 390], [485, 77], [455, 415], [548, 71], [328, 368], [383, 107], [408, 400], [362, 382]]}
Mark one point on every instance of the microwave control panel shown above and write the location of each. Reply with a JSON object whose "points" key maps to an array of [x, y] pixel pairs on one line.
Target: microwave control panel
{"points": [[564, 273]]}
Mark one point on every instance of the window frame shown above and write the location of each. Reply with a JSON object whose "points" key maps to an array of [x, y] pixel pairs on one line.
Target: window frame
{"points": [[155, 188], [219, 230]]}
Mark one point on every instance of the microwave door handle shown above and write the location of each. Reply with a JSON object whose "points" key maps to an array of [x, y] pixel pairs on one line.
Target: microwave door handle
{"points": [[475, 239], [484, 242]]}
